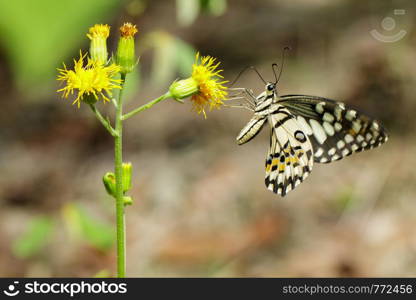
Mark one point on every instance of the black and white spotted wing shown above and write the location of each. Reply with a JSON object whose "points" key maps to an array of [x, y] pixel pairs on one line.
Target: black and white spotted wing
{"points": [[334, 129], [304, 130]]}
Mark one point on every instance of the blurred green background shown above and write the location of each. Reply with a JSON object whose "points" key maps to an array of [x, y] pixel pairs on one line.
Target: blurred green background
{"points": [[201, 207]]}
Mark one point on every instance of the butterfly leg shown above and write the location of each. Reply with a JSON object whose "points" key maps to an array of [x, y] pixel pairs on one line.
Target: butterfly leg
{"points": [[241, 105], [244, 91], [246, 94]]}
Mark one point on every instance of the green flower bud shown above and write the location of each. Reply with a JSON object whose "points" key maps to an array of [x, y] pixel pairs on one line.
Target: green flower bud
{"points": [[98, 35], [125, 56], [109, 180], [89, 99], [127, 171], [127, 200], [183, 88]]}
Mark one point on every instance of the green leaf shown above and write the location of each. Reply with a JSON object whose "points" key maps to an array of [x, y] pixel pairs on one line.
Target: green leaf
{"points": [[171, 56], [97, 233], [187, 11], [34, 239], [164, 63], [185, 57], [216, 7]]}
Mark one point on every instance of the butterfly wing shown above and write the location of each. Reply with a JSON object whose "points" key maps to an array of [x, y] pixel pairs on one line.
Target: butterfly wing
{"points": [[252, 128], [334, 129], [290, 158]]}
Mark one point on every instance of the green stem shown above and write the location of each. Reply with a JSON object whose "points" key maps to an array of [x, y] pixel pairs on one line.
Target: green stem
{"points": [[103, 121], [118, 160], [146, 106]]}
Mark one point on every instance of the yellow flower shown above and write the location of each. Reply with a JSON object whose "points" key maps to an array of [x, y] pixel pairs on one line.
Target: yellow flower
{"points": [[94, 80], [205, 85], [212, 92], [99, 31]]}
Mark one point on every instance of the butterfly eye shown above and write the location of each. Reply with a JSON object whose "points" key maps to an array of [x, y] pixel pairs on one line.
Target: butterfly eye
{"points": [[270, 87]]}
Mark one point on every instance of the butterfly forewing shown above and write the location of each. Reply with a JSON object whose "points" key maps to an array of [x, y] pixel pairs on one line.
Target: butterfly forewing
{"points": [[334, 129], [252, 128]]}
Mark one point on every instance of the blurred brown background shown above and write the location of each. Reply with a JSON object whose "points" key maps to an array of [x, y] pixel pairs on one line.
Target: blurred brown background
{"points": [[201, 207]]}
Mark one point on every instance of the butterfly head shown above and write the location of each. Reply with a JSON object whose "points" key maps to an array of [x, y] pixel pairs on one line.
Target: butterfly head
{"points": [[271, 89]]}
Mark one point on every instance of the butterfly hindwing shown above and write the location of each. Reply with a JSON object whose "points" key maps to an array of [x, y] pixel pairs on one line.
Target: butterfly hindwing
{"points": [[334, 129], [290, 158]]}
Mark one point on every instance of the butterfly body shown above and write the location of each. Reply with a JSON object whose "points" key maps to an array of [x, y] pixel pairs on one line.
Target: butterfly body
{"points": [[304, 130]]}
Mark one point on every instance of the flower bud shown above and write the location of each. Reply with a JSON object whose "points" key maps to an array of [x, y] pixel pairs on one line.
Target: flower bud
{"points": [[90, 99], [127, 200], [98, 35], [109, 180], [127, 171], [183, 88], [125, 56]]}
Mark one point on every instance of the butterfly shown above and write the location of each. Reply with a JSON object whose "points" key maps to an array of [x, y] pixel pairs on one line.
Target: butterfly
{"points": [[306, 130]]}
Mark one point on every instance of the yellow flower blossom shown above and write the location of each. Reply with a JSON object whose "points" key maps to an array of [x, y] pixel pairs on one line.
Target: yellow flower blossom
{"points": [[205, 85], [212, 91], [93, 79], [99, 31]]}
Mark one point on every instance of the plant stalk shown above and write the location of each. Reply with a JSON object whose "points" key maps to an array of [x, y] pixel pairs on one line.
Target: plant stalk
{"points": [[103, 121], [146, 106], [118, 160]]}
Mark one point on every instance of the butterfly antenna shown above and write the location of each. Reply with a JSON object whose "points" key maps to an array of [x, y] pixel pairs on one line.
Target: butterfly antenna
{"points": [[274, 67], [283, 61], [261, 77], [242, 72]]}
